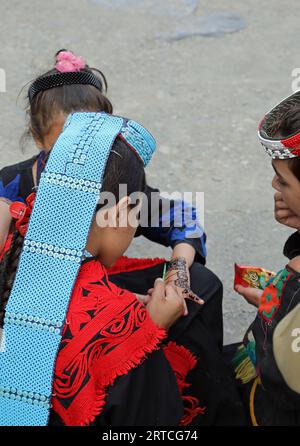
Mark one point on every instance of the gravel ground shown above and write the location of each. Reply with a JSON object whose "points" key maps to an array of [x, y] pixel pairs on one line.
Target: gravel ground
{"points": [[200, 75]]}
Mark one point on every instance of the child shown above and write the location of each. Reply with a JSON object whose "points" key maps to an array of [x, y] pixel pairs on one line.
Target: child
{"points": [[267, 364]]}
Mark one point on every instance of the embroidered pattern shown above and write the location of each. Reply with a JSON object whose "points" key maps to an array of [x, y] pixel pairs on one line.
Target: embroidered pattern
{"points": [[271, 297], [107, 333]]}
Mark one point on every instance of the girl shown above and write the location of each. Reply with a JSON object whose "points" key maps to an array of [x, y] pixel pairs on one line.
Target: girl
{"points": [[267, 364]]}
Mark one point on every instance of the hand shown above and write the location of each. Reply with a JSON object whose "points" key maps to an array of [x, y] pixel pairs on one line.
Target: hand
{"points": [[283, 214], [186, 312], [165, 305], [179, 276], [5, 200], [143, 298], [252, 295], [5, 220]]}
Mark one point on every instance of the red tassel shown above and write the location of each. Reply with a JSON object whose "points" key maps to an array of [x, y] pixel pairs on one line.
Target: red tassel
{"points": [[182, 362]]}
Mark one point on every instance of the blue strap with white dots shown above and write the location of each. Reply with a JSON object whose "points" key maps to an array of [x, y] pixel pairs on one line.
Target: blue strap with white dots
{"points": [[52, 253], [53, 250]]}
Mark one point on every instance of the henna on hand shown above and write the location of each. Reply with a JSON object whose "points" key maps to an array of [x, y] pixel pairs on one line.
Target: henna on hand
{"points": [[178, 268]]}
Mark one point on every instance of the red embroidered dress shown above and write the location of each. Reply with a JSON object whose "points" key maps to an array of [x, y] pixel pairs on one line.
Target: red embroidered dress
{"points": [[108, 333]]}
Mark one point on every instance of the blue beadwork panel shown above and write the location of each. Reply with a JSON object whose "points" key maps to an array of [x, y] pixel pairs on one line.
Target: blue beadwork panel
{"points": [[66, 198]]}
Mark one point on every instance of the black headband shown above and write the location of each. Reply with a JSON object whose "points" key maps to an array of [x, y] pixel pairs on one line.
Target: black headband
{"points": [[59, 79]]}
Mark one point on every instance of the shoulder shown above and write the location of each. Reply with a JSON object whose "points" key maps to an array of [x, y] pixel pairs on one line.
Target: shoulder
{"points": [[8, 173], [295, 263], [292, 246], [16, 179]]}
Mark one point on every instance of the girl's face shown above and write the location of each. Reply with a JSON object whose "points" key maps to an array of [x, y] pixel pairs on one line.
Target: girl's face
{"points": [[108, 241], [284, 181]]}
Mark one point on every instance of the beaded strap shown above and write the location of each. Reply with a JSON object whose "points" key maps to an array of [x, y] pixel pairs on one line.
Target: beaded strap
{"points": [[53, 250]]}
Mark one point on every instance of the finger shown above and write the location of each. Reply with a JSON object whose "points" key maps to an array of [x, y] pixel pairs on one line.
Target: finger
{"points": [[186, 311], [193, 297], [280, 204], [172, 293], [144, 299], [150, 291], [159, 288], [248, 293], [284, 213], [292, 221]]}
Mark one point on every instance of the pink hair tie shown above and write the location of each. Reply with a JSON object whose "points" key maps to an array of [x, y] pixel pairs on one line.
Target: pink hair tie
{"points": [[67, 62]]}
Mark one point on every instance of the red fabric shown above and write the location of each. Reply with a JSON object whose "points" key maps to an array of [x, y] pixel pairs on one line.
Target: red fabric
{"points": [[21, 212], [133, 264], [293, 142], [107, 333], [6, 246], [182, 362], [296, 151]]}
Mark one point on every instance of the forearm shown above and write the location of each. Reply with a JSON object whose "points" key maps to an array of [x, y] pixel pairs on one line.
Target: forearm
{"points": [[184, 250], [5, 221]]}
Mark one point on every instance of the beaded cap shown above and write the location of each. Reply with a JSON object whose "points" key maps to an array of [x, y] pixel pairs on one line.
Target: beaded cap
{"points": [[284, 148]]}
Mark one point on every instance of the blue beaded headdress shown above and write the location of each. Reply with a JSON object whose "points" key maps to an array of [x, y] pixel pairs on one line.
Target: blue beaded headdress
{"points": [[52, 252]]}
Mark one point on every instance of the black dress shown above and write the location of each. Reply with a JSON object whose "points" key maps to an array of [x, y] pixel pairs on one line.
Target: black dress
{"points": [[268, 400]]}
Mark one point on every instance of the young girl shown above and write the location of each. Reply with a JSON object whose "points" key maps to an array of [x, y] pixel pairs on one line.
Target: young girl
{"points": [[86, 388], [267, 364]]}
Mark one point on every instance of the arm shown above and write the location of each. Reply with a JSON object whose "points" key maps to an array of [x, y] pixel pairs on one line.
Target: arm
{"points": [[5, 221], [251, 295], [173, 223], [7, 192], [184, 250]]}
